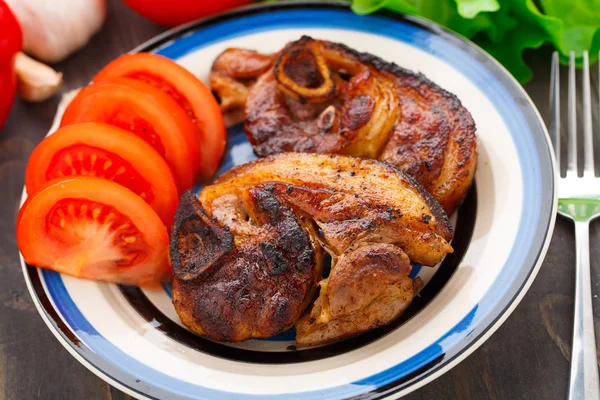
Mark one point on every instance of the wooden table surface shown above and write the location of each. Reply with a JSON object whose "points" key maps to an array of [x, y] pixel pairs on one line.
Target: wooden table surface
{"points": [[527, 358]]}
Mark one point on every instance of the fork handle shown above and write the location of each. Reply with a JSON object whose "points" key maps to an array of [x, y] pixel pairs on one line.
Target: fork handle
{"points": [[583, 382]]}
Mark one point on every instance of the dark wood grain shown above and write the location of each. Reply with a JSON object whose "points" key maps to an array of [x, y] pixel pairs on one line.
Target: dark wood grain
{"points": [[528, 357]]}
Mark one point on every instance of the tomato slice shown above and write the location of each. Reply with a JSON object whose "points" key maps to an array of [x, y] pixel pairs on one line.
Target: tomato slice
{"points": [[107, 152], [148, 113], [187, 90], [93, 228]]}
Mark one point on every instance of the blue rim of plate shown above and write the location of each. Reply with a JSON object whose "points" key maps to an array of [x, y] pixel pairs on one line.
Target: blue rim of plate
{"points": [[537, 165]]}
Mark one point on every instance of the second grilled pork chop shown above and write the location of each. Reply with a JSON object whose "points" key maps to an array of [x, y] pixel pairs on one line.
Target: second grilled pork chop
{"points": [[323, 97]]}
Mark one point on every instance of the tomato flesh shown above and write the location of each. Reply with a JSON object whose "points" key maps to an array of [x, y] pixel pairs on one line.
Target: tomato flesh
{"points": [[105, 151], [165, 87], [99, 232], [90, 161], [149, 114], [129, 121], [93, 228]]}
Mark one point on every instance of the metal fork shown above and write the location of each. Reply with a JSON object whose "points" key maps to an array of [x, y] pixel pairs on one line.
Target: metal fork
{"points": [[579, 200]]}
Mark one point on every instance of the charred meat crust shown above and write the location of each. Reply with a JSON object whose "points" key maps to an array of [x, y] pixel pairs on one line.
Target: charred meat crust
{"points": [[397, 70], [197, 243], [291, 248], [306, 78], [257, 288], [434, 206]]}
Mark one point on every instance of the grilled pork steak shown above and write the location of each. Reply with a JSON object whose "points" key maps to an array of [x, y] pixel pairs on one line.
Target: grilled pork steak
{"points": [[247, 254]]}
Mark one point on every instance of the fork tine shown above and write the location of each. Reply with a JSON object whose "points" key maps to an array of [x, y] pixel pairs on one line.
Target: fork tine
{"points": [[588, 139], [572, 119], [555, 107]]}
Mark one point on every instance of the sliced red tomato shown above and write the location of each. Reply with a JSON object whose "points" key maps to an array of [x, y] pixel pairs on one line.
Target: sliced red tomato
{"points": [[187, 90], [93, 228], [107, 152], [148, 113]]}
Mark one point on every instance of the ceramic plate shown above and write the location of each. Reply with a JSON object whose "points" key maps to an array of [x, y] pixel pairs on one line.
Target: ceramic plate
{"points": [[133, 339]]}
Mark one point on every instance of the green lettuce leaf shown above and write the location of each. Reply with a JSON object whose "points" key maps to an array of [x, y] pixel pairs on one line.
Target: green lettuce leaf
{"points": [[470, 8], [509, 52], [509, 27], [573, 25], [468, 19]]}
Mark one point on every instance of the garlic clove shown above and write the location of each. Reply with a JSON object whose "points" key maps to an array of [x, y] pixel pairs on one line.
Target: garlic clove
{"points": [[35, 81]]}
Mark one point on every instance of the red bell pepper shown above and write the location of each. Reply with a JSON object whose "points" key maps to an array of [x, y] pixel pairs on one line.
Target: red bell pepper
{"points": [[11, 40]]}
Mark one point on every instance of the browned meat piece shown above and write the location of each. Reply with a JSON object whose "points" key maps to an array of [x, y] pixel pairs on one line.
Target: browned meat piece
{"points": [[368, 288], [256, 287], [233, 72], [247, 256], [324, 97]]}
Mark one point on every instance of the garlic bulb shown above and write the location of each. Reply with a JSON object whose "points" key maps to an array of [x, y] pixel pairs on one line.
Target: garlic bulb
{"points": [[53, 29]]}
